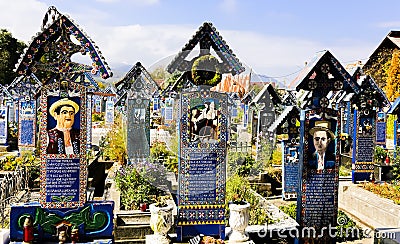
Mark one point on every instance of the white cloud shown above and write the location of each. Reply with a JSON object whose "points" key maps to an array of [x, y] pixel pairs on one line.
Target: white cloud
{"points": [[22, 18], [145, 44], [270, 55]]}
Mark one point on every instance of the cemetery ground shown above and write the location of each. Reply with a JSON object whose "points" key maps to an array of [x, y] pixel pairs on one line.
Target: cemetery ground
{"points": [[204, 150], [268, 210]]}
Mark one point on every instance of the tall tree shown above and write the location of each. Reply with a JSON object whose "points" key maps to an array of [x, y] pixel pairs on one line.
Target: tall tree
{"points": [[379, 66], [10, 51], [392, 87]]}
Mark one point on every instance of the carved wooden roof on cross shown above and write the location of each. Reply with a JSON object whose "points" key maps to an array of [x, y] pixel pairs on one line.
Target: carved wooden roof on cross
{"points": [[322, 75], [51, 51], [138, 82], [207, 37], [370, 95]]}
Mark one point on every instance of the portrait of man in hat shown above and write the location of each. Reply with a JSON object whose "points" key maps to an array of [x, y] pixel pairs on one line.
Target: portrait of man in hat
{"points": [[63, 138], [322, 136]]}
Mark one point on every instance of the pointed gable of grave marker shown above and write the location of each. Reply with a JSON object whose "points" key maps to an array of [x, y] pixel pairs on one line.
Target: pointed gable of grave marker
{"points": [[204, 69], [288, 112], [370, 94], [369, 127], [323, 79], [323, 74], [289, 99], [207, 37], [139, 82], [54, 44], [268, 91]]}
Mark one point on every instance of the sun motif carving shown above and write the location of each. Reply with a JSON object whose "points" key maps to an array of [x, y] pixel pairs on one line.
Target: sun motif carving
{"points": [[325, 68], [324, 102], [312, 84]]}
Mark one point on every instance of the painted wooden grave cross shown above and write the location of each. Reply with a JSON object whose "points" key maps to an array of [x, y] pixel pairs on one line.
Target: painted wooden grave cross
{"points": [[136, 90], [63, 134], [317, 199], [288, 125], [23, 91], [202, 159], [369, 128], [203, 130]]}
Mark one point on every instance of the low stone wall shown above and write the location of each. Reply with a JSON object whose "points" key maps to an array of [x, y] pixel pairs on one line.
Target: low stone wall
{"points": [[372, 210]]}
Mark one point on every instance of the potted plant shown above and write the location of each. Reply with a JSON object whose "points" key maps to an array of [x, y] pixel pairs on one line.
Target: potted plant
{"points": [[161, 218], [238, 218]]}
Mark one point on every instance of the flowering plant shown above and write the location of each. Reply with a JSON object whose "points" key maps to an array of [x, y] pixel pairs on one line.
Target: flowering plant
{"points": [[153, 172], [139, 183], [211, 240]]}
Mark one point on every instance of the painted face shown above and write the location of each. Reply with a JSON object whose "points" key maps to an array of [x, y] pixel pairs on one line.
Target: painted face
{"points": [[212, 106], [65, 119], [321, 141]]}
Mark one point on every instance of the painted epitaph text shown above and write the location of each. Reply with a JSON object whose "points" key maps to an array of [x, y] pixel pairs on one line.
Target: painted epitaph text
{"points": [[365, 143], [27, 121]]}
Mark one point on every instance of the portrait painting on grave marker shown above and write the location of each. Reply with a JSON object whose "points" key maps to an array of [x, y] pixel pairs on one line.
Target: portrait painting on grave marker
{"points": [[292, 155], [204, 122], [319, 175], [63, 137], [62, 128], [27, 108], [365, 126], [321, 141]]}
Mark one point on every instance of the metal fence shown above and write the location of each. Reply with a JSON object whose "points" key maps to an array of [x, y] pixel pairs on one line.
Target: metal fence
{"points": [[11, 183]]}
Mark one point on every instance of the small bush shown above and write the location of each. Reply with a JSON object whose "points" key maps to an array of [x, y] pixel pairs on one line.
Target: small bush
{"points": [[238, 189], [136, 184]]}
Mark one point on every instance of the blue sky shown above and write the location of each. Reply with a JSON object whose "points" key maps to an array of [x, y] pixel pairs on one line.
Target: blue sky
{"points": [[273, 38]]}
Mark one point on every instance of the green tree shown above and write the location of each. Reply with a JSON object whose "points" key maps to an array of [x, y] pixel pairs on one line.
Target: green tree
{"points": [[379, 66], [159, 73], [392, 87], [172, 79], [390, 126], [114, 144], [10, 51]]}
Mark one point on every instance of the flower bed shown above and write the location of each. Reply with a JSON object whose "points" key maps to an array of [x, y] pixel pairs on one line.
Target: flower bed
{"points": [[385, 190]]}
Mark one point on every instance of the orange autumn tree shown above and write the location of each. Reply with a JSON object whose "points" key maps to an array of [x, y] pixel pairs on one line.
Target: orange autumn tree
{"points": [[392, 87]]}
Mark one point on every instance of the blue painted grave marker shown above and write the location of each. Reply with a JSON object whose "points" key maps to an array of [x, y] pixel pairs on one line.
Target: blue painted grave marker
{"points": [[27, 125], [202, 164]]}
